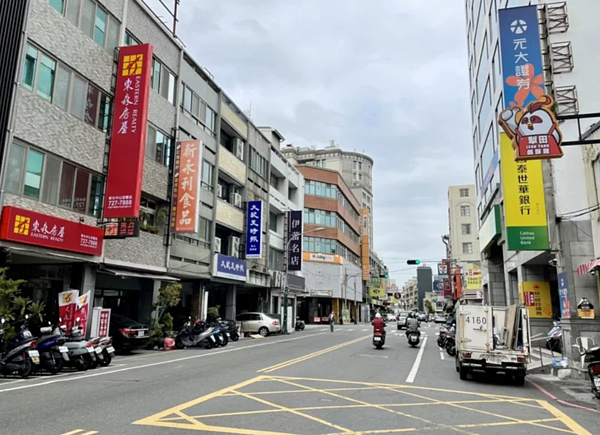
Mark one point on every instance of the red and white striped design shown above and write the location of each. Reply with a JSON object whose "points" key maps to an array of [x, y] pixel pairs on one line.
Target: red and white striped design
{"points": [[587, 267]]}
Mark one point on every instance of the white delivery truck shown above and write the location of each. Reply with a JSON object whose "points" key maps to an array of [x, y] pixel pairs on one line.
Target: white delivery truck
{"points": [[493, 340]]}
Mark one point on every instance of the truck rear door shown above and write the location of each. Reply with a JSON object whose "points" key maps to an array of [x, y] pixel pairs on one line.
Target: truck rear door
{"points": [[474, 328]]}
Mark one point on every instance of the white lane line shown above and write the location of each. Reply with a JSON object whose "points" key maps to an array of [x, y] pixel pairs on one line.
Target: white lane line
{"points": [[125, 369], [415, 368], [364, 330], [350, 330], [441, 355]]}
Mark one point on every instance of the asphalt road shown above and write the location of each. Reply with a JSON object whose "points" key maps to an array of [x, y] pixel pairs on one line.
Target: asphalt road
{"points": [[311, 382]]}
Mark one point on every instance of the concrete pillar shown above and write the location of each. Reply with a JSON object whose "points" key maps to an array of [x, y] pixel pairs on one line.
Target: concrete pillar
{"points": [[148, 299], [230, 309], [197, 295], [83, 278]]}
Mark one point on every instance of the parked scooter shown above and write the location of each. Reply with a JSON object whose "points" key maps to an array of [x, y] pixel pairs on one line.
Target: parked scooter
{"points": [[81, 353], [414, 338], [451, 343], [201, 334], [592, 357], [52, 349], [220, 334], [554, 338], [300, 325], [231, 327], [20, 357]]}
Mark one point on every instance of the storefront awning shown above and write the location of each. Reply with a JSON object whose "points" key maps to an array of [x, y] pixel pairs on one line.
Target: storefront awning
{"points": [[586, 268], [130, 274]]}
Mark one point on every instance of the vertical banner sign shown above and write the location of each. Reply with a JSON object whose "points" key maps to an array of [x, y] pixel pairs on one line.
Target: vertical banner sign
{"points": [[294, 237], [536, 297], [524, 201], [364, 248], [128, 137], [67, 307], [442, 269], [254, 229], [186, 187], [563, 296], [83, 307]]}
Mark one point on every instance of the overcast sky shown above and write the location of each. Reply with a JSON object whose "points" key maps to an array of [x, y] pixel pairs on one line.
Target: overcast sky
{"points": [[387, 78]]}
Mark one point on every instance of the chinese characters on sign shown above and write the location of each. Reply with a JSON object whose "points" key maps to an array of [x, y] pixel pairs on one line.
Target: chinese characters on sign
{"points": [[229, 267], [122, 229], [294, 238], [24, 226], [128, 136], [186, 187], [364, 245], [528, 118], [563, 296], [536, 297], [104, 322], [254, 229]]}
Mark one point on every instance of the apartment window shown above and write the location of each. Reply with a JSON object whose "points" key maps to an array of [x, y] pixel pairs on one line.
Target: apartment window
{"points": [[29, 67], [207, 175], [466, 229], [465, 210], [275, 259], [47, 68], [464, 193], [51, 180], [130, 39], [467, 248], [195, 108], [158, 146], [163, 81], [273, 180], [92, 19], [272, 221], [223, 190], [258, 163], [148, 210]]}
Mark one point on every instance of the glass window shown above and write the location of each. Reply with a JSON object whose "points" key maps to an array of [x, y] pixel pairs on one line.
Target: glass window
{"points": [[465, 210], [31, 57], [467, 248], [112, 39], [46, 77], [130, 39], [51, 178], [150, 142], [59, 5], [82, 184], [466, 229], [33, 174], [207, 175], [91, 105], [104, 112], [156, 67], [88, 17], [205, 228], [78, 97], [187, 99], [100, 26], [61, 88], [210, 119], [67, 181], [95, 202], [464, 193], [160, 145], [73, 8], [171, 89], [272, 221], [195, 105], [14, 169]]}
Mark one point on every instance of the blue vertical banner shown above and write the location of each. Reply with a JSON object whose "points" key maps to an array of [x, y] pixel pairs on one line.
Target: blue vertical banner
{"points": [[521, 56], [254, 229], [294, 238], [563, 296]]}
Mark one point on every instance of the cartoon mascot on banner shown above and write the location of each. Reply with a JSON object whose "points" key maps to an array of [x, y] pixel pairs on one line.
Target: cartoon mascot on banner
{"points": [[534, 131]]}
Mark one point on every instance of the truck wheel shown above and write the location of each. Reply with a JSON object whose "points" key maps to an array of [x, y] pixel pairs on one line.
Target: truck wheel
{"points": [[520, 380], [463, 372]]}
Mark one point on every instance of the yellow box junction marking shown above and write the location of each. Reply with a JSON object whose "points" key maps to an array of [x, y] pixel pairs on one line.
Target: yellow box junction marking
{"points": [[177, 417]]}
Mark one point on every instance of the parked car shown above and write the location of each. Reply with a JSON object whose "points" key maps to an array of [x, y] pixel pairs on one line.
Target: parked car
{"points": [[402, 318], [127, 334], [422, 317], [261, 323], [439, 319]]}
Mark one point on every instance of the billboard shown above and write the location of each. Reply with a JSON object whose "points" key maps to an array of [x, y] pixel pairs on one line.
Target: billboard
{"points": [[322, 258], [536, 297], [524, 201], [254, 229], [294, 239], [128, 136], [186, 187], [230, 267]]}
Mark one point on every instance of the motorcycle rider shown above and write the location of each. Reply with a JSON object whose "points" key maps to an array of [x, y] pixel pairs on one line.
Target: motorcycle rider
{"points": [[412, 324], [378, 324]]}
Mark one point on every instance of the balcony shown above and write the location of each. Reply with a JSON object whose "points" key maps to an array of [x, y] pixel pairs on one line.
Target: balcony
{"points": [[230, 216], [232, 165]]}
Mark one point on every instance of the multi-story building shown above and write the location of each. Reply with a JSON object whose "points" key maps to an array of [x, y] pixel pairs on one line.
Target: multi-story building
{"points": [[569, 65], [410, 295], [332, 255], [462, 219]]}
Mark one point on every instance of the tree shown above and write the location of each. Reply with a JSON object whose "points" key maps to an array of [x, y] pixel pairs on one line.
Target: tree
{"points": [[162, 322], [11, 301], [213, 313], [429, 307]]}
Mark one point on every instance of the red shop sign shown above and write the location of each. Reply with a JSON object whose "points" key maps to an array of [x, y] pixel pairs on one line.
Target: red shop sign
{"points": [[128, 137], [24, 226], [104, 322]]}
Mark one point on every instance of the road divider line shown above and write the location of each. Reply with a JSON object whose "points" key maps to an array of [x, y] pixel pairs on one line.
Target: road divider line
{"points": [[564, 418], [159, 363], [442, 355], [415, 368], [73, 432]]}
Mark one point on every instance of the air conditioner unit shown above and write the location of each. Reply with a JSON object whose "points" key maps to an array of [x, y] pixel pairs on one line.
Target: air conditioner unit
{"points": [[234, 246], [238, 146], [219, 191], [237, 200], [217, 247]]}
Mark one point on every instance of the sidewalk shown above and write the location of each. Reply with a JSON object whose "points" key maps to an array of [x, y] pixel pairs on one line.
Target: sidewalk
{"points": [[577, 391]]}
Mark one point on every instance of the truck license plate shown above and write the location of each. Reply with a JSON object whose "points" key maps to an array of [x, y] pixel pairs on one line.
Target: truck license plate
{"points": [[493, 360]]}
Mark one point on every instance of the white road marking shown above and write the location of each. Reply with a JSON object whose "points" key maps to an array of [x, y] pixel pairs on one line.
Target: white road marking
{"points": [[368, 355], [364, 330], [350, 330], [441, 355], [415, 368], [108, 372]]}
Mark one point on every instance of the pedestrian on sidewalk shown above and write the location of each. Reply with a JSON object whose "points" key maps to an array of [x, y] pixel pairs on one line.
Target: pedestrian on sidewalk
{"points": [[331, 320]]}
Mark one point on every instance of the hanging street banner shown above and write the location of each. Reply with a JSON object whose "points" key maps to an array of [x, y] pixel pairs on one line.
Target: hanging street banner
{"points": [[473, 289], [563, 296], [524, 201], [186, 187], [254, 229], [364, 244], [83, 308], [536, 297], [128, 136], [528, 118], [67, 307], [294, 240]]}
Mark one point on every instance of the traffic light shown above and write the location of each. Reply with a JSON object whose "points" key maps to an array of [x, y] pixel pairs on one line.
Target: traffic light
{"points": [[411, 262], [383, 275]]}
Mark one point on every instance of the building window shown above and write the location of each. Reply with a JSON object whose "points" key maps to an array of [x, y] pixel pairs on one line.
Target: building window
{"points": [[258, 163], [465, 210], [275, 259], [130, 39], [223, 191], [163, 81], [466, 229], [49, 179], [273, 180], [467, 248], [158, 146], [272, 221], [207, 175], [66, 89], [92, 19], [205, 231], [196, 109], [464, 193]]}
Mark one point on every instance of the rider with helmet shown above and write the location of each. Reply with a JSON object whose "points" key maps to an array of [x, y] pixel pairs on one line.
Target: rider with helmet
{"points": [[412, 324], [378, 324]]}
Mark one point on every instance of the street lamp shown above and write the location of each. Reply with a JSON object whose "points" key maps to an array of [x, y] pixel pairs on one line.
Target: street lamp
{"points": [[285, 280]]}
